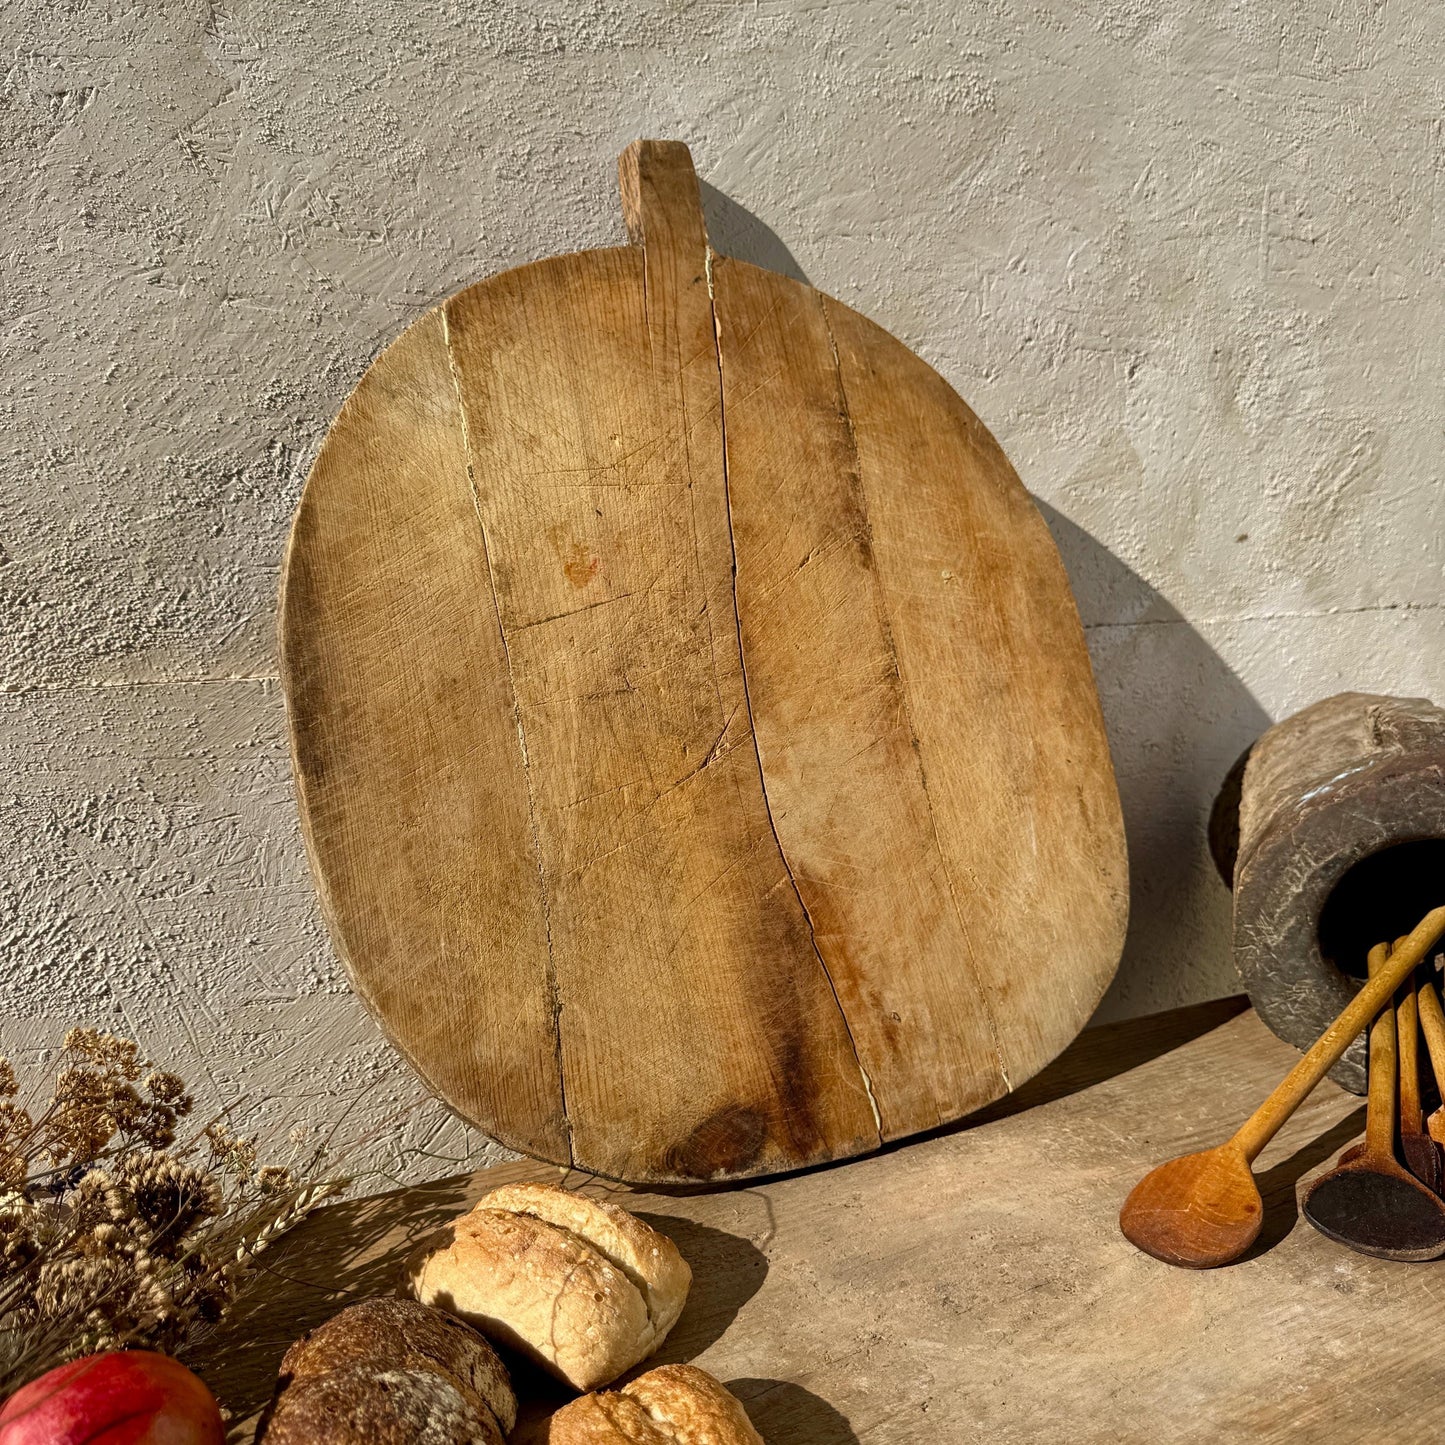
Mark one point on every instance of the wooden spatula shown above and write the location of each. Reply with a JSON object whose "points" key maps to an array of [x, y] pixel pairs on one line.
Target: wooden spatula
{"points": [[1421, 1152]]}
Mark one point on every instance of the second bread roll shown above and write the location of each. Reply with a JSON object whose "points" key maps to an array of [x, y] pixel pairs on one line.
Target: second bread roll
{"points": [[580, 1286], [673, 1405]]}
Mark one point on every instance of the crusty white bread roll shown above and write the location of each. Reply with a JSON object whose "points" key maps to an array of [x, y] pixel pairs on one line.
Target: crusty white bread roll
{"points": [[672, 1405], [580, 1286], [649, 1259], [401, 1334]]}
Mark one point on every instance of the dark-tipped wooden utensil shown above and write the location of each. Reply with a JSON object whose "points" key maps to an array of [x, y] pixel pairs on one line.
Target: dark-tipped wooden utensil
{"points": [[1204, 1209], [1432, 1022], [1371, 1203], [1420, 1151]]}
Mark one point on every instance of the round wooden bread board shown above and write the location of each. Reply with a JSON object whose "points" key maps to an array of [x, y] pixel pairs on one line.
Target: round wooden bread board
{"points": [[696, 745]]}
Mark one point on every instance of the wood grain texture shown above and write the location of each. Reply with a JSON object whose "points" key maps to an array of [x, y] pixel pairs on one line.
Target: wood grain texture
{"points": [[806, 794], [414, 813], [699, 1033], [974, 1287], [886, 546]]}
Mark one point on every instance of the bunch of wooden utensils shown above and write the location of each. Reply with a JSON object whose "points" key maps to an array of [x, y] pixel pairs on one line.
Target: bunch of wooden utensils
{"points": [[1204, 1210]]}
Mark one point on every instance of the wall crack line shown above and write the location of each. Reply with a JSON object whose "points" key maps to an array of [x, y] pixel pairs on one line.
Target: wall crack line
{"points": [[1325, 615]]}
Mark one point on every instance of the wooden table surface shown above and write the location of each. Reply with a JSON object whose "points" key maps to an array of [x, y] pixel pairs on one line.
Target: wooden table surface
{"points": [[973, 1286]]}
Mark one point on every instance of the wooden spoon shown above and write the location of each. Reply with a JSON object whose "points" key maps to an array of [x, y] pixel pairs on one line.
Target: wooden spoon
{"points": [[1204, 1209], [1371, 1203], [1432, 1021], [1422, 1153]]}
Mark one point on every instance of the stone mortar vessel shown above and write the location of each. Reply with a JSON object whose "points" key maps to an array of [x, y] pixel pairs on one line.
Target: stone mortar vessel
{"points": [[1341, 845]]}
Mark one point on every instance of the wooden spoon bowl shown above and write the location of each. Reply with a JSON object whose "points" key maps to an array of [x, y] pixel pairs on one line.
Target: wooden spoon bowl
{"points": [[1377, 1208], [1199, 1211], [1422, 1158]]}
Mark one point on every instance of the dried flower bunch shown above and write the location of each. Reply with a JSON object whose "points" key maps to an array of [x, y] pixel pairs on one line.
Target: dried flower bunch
{"points": [[111, 1232]]}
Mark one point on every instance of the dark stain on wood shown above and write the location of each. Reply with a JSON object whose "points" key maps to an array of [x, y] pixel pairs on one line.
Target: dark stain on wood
{"points": [[726, 1142]]}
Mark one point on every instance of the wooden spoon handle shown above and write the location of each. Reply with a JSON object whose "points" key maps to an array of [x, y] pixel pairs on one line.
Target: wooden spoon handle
{"points": [[1269, 1118], [1407, 1032], [1432, 1020], [1380, 1104]]}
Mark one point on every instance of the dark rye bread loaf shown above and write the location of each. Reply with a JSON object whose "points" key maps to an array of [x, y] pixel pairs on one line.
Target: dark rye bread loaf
{"points": [[399, 1365], [361, 1405]]}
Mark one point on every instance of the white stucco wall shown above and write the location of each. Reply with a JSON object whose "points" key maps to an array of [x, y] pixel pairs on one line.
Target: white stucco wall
{"points": [[1184, 259]]}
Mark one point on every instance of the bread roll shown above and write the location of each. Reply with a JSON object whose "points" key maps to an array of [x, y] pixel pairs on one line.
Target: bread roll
{"points": [[673, 1405], [581, 1287], [400, 1334], [390, 1370], [359, 1405], [649, 1259]]}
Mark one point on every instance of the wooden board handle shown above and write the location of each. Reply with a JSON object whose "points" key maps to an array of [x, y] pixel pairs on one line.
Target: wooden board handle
{"points": [[661, 202], [1269, 1118]]}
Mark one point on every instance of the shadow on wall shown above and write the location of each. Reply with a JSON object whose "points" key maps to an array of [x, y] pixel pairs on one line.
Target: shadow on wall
{"points": [[1177, 719], [733, 231]]}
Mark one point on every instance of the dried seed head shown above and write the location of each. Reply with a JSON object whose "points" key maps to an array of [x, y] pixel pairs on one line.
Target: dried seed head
{"points": [[111, 1234], [273, 1179], [230, 1152]]}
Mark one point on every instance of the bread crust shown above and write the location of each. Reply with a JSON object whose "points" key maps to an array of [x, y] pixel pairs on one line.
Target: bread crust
{"points": [[359, 1405], [692, 1407], [583, 1288], [543, 1292], [648, 1258], [610, 1419], [672, 1405], [402, 1334]]}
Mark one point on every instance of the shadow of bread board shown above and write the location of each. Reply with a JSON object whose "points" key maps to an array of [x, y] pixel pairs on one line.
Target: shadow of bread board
{"points": [[696, 745], [974, 1287]]}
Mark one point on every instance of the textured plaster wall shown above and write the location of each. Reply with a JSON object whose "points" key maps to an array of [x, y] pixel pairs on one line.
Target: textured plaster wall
{"points": [[1184, 259]]}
